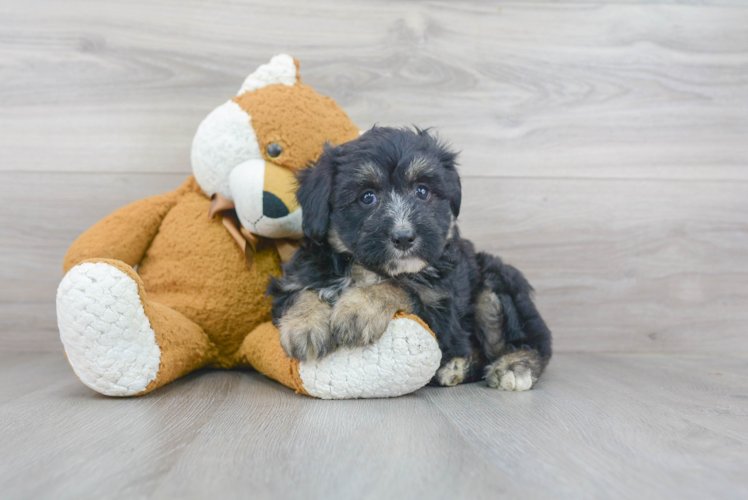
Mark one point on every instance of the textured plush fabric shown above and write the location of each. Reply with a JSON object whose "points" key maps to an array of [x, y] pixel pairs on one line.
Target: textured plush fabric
{"points": [[402, 360], [118, 341], [289, 124], [122, 235], [191, 269], [224, 139], [194, 299], [262, 351], [194, 266], [107, 336], [282, 69]]}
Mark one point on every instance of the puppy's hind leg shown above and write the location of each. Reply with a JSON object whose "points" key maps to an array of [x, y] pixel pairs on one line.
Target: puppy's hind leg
{"points": [[510, 369], [515, 371], [514, 338]]}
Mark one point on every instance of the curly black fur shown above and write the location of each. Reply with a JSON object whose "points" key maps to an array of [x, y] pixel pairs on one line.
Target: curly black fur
{"points": [[480, 308]]}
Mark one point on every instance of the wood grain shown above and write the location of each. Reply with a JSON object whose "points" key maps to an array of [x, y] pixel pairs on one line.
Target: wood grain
{"points": [[41, 215], [646, 265], [615, 426], [603, 145], [603, 153], [623, 265], [523, 89]]}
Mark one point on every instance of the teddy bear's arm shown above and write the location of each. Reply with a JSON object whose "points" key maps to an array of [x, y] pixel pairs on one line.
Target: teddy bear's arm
{"points": [[122, 235]]}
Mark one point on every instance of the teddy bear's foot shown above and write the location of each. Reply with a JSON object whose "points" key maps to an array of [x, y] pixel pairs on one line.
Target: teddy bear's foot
{"points": [[404, 359], [108, 339], [119, 343]]}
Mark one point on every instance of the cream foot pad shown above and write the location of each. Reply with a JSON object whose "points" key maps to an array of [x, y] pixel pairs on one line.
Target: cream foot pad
{"points": [[108, 339]]}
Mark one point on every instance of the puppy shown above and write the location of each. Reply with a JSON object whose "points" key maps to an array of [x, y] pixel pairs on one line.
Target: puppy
{"points": [[379, 214]]}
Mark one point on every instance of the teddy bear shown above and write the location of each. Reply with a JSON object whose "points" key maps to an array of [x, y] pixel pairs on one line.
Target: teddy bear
{"points": [[176, 282]]}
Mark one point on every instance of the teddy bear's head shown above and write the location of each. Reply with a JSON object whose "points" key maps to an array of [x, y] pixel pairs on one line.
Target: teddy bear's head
{"points": [[247, 149]]}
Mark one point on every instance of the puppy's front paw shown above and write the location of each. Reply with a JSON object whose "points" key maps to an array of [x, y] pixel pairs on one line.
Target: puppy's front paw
{"points": [[453, 372], [515, 371], [362, 314], [305, 328]]}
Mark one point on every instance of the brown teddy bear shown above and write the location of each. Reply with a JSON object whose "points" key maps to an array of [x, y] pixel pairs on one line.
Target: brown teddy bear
{"points": [[175, 282]]}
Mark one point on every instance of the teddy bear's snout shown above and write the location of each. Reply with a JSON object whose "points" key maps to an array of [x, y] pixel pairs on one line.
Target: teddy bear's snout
{"points": [[265, 198]]}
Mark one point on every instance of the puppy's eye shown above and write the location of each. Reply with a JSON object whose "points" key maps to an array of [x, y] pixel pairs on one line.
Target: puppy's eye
{"points": [[368, 198], [274, 150], [422, 193]]}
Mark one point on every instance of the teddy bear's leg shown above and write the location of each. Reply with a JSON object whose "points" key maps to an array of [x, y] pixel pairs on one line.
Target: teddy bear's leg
{"points": [[117, 341], [403, 360]]}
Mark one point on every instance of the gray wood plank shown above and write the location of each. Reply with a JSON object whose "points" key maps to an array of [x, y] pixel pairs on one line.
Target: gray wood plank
{"points": [[523, 89], [603, 153], [618, 266], [41, 215], [590, 434], [623, 426], [551, 96], [623, 265]]}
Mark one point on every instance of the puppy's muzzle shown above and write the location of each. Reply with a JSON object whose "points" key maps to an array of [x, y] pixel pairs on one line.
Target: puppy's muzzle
{"points": [[403, 240]]}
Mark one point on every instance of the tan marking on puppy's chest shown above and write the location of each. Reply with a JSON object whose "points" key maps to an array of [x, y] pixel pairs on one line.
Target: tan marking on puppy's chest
{"points": [[363, 277]]}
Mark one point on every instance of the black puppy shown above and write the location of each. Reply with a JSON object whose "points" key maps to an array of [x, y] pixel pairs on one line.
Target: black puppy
{"points": [[379, 215]]}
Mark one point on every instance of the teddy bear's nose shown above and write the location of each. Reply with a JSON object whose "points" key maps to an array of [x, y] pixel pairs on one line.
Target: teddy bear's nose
{"points": [[272, 206]]}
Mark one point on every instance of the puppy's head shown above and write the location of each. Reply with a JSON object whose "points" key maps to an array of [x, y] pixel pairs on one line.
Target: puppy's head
{"points": [[389, 198]]}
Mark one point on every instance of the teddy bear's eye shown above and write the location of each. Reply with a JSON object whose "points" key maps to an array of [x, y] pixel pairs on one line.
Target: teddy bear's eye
{"points": [[274, 150]]}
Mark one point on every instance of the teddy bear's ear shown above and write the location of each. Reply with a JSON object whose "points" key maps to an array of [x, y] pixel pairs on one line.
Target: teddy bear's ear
{"points": [[281, 69]]}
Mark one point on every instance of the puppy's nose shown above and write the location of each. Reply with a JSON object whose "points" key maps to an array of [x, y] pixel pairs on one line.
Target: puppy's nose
{"points": [[403, 240]]}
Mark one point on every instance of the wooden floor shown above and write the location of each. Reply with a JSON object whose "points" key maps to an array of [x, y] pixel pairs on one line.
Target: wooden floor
{"points": [[604, 152], [598, 426]]}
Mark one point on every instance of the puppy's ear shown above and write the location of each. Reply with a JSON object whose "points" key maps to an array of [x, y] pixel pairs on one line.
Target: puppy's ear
{"points": [[448, 158], [313, 195], [456, 198]]}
